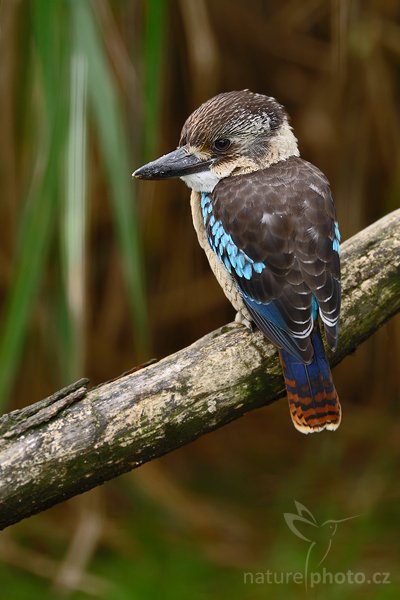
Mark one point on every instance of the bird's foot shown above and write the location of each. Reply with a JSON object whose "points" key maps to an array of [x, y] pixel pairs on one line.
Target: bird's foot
{"points": [[239, 318]]}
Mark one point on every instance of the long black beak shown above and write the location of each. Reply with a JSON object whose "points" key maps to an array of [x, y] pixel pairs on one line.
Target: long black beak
{"points": [[175, 164]]}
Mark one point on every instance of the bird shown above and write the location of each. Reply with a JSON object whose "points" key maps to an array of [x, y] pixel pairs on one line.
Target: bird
{"points": [[266, 219]]}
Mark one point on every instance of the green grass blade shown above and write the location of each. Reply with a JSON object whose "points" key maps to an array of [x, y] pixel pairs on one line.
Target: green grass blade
{"points": [[37, 225], [73, 223], [103, 99]]}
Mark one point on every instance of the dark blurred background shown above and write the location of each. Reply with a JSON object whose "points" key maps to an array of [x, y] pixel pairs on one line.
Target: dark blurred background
{"points": [[99, 273]]}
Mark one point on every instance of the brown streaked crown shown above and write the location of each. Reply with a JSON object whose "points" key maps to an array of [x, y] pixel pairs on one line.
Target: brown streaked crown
{"points": [[237, 114]]}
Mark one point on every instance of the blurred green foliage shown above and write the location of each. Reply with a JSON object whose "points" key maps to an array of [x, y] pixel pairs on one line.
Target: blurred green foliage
{"points": [[65, 36], [91, 89]]}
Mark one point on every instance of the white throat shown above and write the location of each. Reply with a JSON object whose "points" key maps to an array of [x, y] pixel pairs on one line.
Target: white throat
{"points": [[201, 182]]}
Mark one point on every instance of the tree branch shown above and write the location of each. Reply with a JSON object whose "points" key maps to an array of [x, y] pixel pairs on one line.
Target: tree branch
{"points": [[75, 440]]}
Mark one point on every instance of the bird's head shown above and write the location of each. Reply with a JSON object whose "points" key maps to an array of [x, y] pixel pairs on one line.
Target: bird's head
{"points": [[231, 134]]}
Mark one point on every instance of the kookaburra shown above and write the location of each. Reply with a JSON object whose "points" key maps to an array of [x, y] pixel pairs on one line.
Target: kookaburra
{"points": [[266, 220]]}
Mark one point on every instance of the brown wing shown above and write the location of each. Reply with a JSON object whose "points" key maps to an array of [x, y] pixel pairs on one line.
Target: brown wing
{"points": [[278, 240]]}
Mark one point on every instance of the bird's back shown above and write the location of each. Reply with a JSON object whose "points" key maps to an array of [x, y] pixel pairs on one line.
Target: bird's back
{"points": [[283, 217]]}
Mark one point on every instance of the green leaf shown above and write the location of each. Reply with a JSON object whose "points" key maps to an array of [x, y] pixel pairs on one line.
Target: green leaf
{"points": [[37, 224], [114, 147]]}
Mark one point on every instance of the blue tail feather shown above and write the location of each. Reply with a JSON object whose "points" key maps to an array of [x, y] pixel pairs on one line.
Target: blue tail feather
{"points": [[313, 400]]}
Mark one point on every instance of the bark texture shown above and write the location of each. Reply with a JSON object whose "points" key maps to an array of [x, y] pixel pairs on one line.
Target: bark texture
{"points": [[77, 439]]}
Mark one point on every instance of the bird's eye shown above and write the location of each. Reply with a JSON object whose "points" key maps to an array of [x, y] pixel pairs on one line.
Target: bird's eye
{"points": [[222, 144]]}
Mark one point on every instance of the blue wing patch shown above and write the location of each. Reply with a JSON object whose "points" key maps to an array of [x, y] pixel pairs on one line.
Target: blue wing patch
{"points": [[223, 245], [336, 239], [314, 308], [269, 320]]}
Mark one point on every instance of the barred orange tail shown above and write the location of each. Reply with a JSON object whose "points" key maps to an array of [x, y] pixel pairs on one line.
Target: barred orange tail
{"points": [[313, 401]]}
